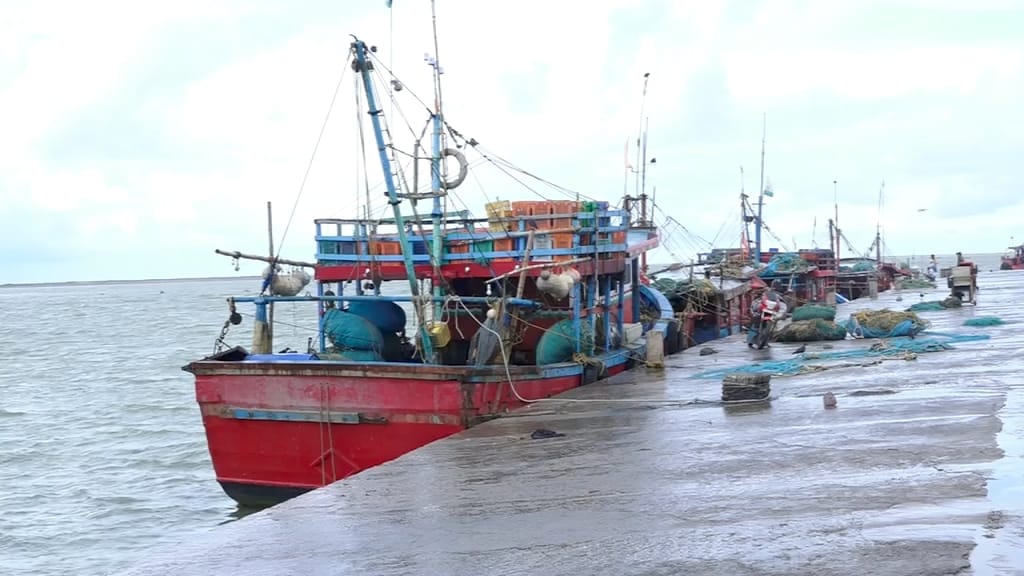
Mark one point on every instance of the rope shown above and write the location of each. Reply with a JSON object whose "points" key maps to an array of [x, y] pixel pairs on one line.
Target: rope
{"points": [[584, 360], [309, 166], [519, 397], [320, 434], [330, 434]]}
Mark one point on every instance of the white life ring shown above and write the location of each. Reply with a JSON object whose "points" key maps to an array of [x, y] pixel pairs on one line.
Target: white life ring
{"points": [[463, 168]]}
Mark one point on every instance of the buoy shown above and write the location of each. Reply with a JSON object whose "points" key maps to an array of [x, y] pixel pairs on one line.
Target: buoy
{"points": [[288, 284], [557, 285]]}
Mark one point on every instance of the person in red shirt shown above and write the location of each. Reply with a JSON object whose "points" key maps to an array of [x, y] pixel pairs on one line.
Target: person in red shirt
{"points": [[770, 294]]}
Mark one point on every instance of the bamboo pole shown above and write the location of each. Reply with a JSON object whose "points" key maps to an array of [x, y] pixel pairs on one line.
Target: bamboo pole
{"points": [[243, 256]]}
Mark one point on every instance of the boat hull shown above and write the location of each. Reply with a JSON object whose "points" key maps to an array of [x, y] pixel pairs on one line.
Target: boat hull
{"points": [[276, 430]]}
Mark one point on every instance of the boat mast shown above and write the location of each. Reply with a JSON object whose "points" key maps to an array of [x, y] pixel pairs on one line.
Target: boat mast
{"points": [[744, 218], [363, 68], [437, 211], [878, 227], [838, 232], [760, 192], [643, 170], [641, 158]]}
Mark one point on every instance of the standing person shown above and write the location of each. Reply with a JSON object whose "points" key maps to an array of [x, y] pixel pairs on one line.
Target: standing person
{"points": [[932, 272]]}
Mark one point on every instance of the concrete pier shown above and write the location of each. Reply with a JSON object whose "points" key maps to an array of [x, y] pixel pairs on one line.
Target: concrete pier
{"points": [[917, 470]]}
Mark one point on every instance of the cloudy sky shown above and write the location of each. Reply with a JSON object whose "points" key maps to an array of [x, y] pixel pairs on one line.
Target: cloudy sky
{"points": [[138, 137]]}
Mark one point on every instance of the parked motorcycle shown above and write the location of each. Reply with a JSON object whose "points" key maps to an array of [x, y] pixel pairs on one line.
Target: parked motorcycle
{"points": [[764, 323]]}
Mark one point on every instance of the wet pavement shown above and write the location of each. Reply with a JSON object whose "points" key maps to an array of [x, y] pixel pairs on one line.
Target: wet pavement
{"points": [[917, 471]]}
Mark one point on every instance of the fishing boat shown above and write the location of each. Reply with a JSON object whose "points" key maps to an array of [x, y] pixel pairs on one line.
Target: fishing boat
{"points": [[711, 297], [707, 308], [1013, 258], [490, 313]]}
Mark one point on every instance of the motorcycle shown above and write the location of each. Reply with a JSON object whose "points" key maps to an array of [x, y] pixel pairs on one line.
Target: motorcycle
{"points": [[764, 323]]}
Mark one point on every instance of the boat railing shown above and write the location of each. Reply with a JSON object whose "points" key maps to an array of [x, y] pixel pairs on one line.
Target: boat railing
{"points": [[267, 299], [556, 236]]}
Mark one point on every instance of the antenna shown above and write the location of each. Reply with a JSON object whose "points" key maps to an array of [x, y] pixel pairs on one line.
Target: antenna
{"points": [[643, 106], [643, 166]]}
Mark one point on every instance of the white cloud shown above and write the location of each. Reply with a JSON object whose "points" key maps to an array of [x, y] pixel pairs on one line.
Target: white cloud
{"points": [[551, 86]]}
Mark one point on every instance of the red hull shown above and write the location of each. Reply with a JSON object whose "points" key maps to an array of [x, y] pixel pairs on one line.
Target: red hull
{"points": [[276, 430]]}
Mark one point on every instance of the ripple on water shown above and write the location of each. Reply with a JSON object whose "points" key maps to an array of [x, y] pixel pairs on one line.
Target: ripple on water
{"points": [[102, 450]]}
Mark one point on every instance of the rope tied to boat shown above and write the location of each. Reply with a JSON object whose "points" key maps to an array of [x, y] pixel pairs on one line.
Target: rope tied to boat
{"points": [[584, 360]]}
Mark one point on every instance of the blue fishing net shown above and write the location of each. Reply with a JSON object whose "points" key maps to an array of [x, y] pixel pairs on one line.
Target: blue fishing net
{"points": [[936, 342]]}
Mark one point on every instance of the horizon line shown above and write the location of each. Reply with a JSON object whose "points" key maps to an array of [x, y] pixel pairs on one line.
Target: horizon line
{"points": [[122, 281]]}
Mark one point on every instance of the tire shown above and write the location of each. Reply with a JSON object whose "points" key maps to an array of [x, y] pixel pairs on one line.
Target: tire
{"points": [[763, 336]]}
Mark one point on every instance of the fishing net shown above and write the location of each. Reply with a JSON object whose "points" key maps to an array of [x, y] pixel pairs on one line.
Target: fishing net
{"points": [[746, 387], [915, 284], [926, 307], [734, 268], [811, 331], [785, 263], [884, 324], [936, 305], [814, 312], [558, 343], [352, 332], [672, 288], [985, 321], [908, 349], [342, 355]]}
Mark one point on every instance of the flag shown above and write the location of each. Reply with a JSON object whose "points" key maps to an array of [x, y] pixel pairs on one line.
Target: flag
{"points": [[629, 165], [388, 3], [768, 191]]}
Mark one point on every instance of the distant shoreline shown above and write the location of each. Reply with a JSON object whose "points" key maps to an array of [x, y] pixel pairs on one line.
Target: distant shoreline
{"points": [[108, 282], [994, 264]]}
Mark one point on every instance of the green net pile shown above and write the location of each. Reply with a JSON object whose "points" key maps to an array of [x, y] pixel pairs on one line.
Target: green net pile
{"points": [[673, 288], [885, 323], [985, 321], [815, 330], [936, 305], [785, 263], [916, 284], [814, 312]]}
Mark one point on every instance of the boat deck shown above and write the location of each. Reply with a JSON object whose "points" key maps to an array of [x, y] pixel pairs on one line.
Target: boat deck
{"points": [[917, 471]]}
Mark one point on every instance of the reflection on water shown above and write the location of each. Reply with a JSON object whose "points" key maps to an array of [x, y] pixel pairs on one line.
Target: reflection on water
{"points": [[747, 408], [239, 513], [1000, 544]]}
